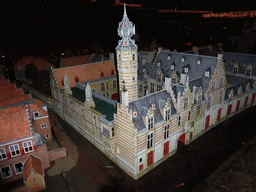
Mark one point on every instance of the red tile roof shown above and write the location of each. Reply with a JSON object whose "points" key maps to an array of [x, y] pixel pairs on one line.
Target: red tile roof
{"points": [[4, 81], [87, 72], [13, 124], [39, 62], [36, 107], [9, 87], [79, 60], [6, 95], [15, 100]]}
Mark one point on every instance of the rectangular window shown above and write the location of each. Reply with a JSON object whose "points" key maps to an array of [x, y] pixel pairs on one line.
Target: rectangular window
{"points": [[150, 158], [235, 69], [150, 140], [166, 131], [166, 148], [152, 87], [114, 84], [209, 102], [106, 85], [44, 125], [189, 115], [36, 113], [167, 114], [159, 87], [150, 123], [105, 132], [198, 110], [27, 146], [179, 120], [14, 150], [185, 102], [174, 80], [6, 172], [102, 86], [113, 133], [3, 154], [18, 167], [248, 72]]}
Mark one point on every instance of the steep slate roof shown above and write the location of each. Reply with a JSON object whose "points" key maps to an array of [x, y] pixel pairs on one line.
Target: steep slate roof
{"points": [[147, 66], [40, 63], [241, 59], [195, 70], [14, 124], [102, 106], [141, 106], [86, 72], [235, 82], [79, 60]]}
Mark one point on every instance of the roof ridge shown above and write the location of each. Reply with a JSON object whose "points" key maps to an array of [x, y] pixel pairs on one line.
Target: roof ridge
{"points": [[184, 53]]}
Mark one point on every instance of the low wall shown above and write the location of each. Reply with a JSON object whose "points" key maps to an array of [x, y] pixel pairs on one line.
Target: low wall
{"points": [[58, 137], [57, 154]]}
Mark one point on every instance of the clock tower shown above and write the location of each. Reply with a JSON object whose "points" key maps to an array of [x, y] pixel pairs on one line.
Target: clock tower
{"points": [[127, 63]]}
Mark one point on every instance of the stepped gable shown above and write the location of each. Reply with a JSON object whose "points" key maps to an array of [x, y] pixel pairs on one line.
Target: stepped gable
{"points": [[141, 106], [195, 70]]}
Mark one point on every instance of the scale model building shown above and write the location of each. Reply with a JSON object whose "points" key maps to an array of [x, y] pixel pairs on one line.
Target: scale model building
{"points": [[178, 97]]}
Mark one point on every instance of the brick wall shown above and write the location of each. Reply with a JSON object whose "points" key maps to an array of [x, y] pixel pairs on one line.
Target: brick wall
{"points": [[57, 154]]}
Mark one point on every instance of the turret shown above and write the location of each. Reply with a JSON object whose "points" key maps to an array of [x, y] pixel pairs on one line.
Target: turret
{"points": [[88, 95]]}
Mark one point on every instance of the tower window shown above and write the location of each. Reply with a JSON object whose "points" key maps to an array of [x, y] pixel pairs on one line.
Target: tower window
{"points": [[133, 78], [133, 56], [119, 57]]}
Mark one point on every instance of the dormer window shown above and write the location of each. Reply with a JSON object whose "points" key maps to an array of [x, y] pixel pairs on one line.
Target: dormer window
{"points": [[158, 64], [198, 62], [174, 80], [235, 70], [153, 106], [182, 59], [150, 123], [207, 73], [144, 70], [167, 114], [248, 72], [172, 66], [134, 114], [186, 69], [168, 57]]}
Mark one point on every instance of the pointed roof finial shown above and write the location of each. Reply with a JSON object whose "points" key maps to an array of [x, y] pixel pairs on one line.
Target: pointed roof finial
{"points": [[125, 9]]}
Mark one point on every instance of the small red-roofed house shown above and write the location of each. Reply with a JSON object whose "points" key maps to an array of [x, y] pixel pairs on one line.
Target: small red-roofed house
{"points": [[20, 67]]}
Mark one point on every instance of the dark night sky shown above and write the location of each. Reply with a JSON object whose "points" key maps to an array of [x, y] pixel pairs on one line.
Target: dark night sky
{"points": [[26, 24]]}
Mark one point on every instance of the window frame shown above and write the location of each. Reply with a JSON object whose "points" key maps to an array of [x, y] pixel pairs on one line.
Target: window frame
{"points": [[102, 86], [21, 168], [166, 131], [29, 150], [1, 154], [150, 140], [9, 170], [150, 122], [34, 112], [15, 150], [185, 102], [42, 125]]}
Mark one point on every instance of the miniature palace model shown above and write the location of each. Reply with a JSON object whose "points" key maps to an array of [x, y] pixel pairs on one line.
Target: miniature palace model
{"points": [[175, 98]]}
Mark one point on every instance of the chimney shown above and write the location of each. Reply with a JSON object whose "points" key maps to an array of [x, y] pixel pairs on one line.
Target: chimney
{"points": [[195, 49]]}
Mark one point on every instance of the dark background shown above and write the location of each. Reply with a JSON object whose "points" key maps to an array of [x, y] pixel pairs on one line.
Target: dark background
{"points": [[54, 25]]}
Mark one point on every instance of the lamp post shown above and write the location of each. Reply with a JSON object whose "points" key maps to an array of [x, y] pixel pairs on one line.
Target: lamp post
{"points": [[63, 174]]}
